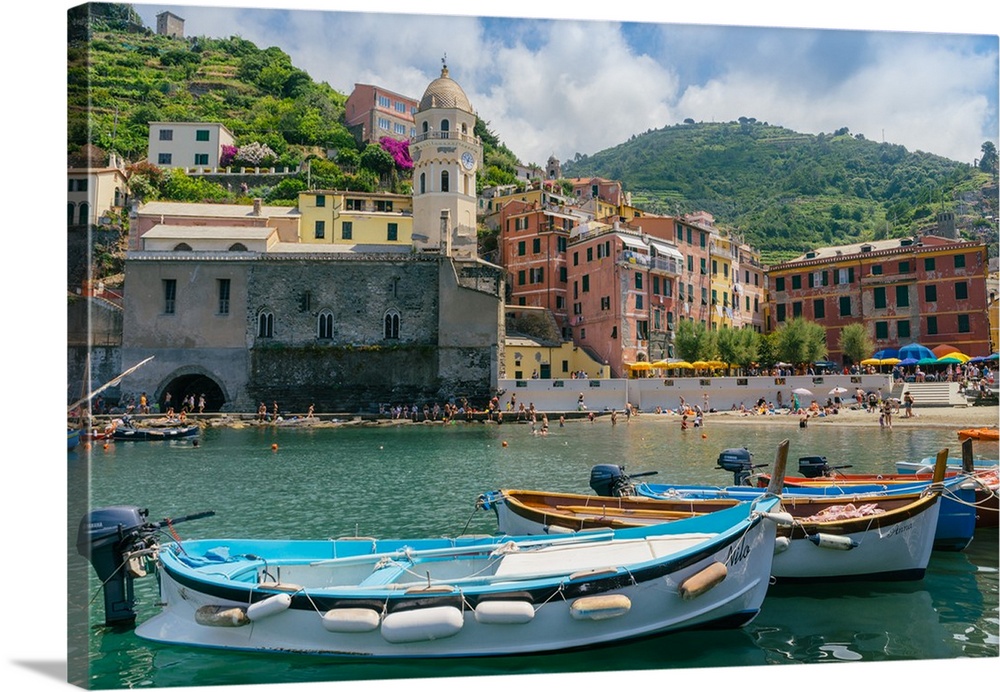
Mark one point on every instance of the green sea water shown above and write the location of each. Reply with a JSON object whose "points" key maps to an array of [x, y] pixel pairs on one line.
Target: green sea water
{"points": [[423, 480]]}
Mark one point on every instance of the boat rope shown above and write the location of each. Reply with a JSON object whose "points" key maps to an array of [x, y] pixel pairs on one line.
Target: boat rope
{"points": [[176, 537], [475, 508]]}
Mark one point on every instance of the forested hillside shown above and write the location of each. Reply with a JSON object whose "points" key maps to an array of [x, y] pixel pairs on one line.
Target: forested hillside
{"points": [[788, 191]]}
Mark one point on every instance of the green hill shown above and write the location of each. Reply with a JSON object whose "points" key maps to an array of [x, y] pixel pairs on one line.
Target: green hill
{"points": [[786, 191]]}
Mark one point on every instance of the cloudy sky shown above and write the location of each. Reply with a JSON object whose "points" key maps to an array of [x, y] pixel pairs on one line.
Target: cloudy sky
{"points": [[577, 84]]}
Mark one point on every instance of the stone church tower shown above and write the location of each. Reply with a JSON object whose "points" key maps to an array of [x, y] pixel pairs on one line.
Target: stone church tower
{"points": [[446, 155]]}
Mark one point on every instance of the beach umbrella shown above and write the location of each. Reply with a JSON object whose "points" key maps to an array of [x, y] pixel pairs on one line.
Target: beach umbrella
{"points": [[661, 364], [886, 353], [802, 391], [838, 390], [944, 349], [993, 356], [717, 365], [908, 361], [782, 365], [699, 365], [916, 351], [957, 355], [949, 360], [871, 361], [890, 361], [927, 361], [641, 365], [679, 364], [825, 364]]}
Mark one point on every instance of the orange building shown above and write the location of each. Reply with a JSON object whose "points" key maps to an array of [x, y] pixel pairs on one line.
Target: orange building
{"points": [[929, 290]]}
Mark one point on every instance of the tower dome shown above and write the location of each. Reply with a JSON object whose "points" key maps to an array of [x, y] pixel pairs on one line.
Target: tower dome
{"points": [[444, 92]]}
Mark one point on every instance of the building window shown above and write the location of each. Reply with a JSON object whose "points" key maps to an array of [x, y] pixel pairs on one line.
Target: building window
{"points": [[169, 296], [819, 308], [904, 267], [305, 301], [444, 181], [166, 135], [223, 296], [265, 325], [797, 309], [561, 244], [320, 231], [347, 230], [876, 270], [932, 327], [423, 183], [320, 200], [605, 302], [392, 232], [324, 325], [522, 248], [928, 264], [354, 204], [963, 324], [560, 303], [536, 245], [538, 275], [638, 281], [642, 329], [780, 312], [779, 283], [586, 283], [959, 261], [392, 324], [903, 329], [845, 306], [961, 290], [638, 301], [384, 101], [930, 293], [520, 277], [383, 205], [164, 159], [201, 135], [201, 159], [902, 296], [703, 266], [562, 274], [590, 254], [879, 296], [881, 330], [796, 282]]}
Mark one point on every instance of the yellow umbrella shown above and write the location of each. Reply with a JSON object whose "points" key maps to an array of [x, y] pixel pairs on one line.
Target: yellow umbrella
{"points": [[871, 361], [642, 365], [699, 365], [661, 364], [957, 356], [717, 365], [683, 364], [889, 361]]}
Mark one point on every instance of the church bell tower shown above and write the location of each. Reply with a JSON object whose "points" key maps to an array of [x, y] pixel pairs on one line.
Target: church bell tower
{"points": [[446, 156]]}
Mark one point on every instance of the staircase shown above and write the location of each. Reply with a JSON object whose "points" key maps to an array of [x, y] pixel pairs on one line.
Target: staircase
{"points": [[935, 394]]}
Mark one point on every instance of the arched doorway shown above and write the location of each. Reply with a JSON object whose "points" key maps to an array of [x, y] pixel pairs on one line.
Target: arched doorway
{"points": [[182, 387]]}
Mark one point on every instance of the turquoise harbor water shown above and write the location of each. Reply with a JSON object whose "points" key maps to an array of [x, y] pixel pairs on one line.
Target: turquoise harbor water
{"points": [[415, 480]]}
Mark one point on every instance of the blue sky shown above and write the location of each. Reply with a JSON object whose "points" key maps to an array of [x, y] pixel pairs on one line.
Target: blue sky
{"points": [[558, 82]]}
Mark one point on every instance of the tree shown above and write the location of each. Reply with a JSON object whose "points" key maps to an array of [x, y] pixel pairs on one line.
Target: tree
{"points": [[740, 346], [855, 343], [801, 341], [692, 340], [988, 162]]}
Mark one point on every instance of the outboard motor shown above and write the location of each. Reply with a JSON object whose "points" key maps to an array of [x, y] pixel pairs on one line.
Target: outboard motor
{"points": [[817, 467], [739, 462], [610, 480], [116, 541]]}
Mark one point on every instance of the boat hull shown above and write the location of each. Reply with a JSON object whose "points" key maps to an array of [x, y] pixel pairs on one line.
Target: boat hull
{"points": [[894, 546], [593, 606], [155, 434]]}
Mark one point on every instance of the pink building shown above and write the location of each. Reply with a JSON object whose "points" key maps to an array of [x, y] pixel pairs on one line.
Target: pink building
{"points": [[372, 112]]}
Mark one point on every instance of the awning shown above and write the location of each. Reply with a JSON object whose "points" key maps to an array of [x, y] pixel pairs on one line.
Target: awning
{"points": [[631, 242], [665, 249]]}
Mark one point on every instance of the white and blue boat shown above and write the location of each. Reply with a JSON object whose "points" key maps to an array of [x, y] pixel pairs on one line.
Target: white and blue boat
{"points": [[438, 597]]}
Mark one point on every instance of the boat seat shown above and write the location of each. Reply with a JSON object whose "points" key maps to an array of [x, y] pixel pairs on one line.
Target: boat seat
{"points": [[385, 575]]}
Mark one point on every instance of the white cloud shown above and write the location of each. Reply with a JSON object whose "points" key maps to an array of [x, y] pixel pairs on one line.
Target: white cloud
{"points": [[578, 86]]}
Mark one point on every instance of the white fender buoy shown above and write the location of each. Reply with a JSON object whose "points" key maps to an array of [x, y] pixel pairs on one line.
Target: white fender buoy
{"points": [[272, 605], [422, 624], [221, 616], [781, 544], [826, 540], [600, 607], [350, 620], [504, 612], [779, 518], [700, 582], [555, 528]]}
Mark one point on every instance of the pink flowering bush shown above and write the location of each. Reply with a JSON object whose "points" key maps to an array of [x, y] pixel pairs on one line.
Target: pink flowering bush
{"points": [[399, 150], [229, 152]]}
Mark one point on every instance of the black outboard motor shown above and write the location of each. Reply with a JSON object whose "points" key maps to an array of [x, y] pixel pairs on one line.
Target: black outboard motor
{"points": [[739, 462], [817, 467], [610, 480], [116, 540]]}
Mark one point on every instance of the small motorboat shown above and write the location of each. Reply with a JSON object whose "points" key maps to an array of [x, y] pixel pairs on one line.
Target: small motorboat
{"points": [[437, 597], [979, 434], [127, 430], [72, 438]]}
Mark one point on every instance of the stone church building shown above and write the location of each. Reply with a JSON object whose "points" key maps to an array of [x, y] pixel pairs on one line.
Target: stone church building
{"points": [[243, 316]]}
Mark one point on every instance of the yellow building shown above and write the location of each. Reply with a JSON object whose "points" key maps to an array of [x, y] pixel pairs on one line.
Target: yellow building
{"points": [[331, 217], [530, 358]]}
